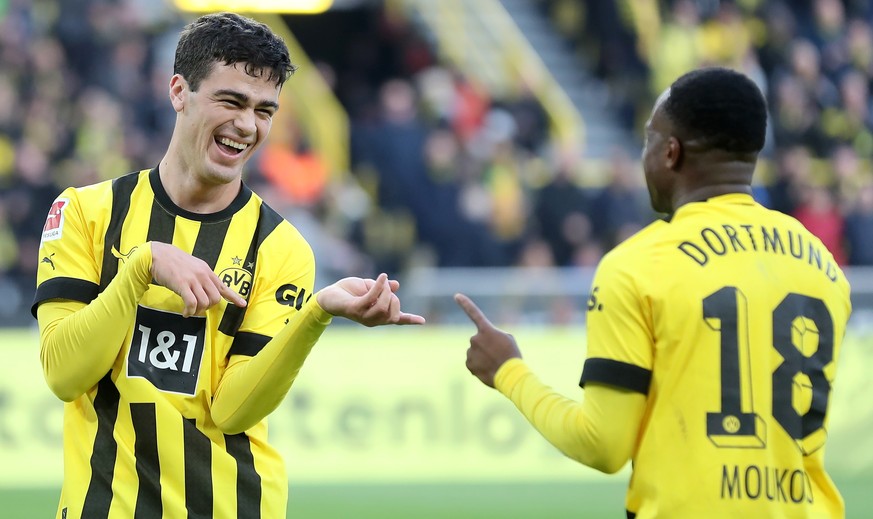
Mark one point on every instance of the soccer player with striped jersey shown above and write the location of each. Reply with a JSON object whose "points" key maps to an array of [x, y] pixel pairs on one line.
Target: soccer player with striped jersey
{"points": [[713, 335], [176, 308]]}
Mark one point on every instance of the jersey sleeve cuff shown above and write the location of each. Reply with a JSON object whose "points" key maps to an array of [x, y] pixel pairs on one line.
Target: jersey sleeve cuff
{"points": [[616, 373], [509, 374], [318, 313]]}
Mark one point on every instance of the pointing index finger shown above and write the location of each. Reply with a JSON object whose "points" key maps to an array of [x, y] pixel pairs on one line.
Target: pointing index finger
{"points": [[231, 295], [473, 312]]}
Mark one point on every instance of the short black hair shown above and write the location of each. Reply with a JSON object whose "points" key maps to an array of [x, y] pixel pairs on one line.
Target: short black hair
{"points": [[722, 107], [230, 38]]}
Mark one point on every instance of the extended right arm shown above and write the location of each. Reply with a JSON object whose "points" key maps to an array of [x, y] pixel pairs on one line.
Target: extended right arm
{"points": [[600, 431]]}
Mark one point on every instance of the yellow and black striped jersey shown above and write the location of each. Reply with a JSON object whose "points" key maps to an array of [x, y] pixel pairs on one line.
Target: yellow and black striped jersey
{"points": [[729, 317], [142, 443]]}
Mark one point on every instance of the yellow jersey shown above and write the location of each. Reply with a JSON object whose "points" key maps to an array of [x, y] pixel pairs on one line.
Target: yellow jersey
{"points": [[141, 443], [729, 317]]}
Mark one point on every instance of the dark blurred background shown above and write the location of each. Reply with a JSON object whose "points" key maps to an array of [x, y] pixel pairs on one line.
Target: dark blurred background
{"points": [[447, 135]]}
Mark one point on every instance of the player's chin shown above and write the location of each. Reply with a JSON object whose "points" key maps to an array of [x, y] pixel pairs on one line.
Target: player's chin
{"points": [[220, 174]]}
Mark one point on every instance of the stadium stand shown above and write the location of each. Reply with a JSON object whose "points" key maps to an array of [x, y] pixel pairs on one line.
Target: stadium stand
{"points": [[444, 170]]}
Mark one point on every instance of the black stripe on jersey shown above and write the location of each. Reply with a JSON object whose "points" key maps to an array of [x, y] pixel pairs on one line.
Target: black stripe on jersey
{"points": [[148, 468], [268, 220], [210, 238], [161, 224], [198, 471], [616, 373], [247, 343], [248, 481], [64, 288], [99, 495], [122, 189]]}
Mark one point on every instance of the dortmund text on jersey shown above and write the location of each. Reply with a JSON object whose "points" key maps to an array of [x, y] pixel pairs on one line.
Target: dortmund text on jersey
{"points": [[730, 318]]}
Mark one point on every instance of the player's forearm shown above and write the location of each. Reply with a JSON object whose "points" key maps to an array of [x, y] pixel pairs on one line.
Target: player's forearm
{"points": [[79, 342], [599, 432], [252, 387]]}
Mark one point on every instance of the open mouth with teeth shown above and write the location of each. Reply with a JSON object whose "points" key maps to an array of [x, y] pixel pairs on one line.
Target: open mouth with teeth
{"points": [[230, 146]]}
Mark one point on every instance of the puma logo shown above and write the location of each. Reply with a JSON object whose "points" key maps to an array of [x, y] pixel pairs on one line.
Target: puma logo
{"points": [[122, 256], [48, 259]]}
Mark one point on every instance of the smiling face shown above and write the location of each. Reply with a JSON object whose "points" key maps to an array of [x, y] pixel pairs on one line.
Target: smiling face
{"points": [[222, 123]]}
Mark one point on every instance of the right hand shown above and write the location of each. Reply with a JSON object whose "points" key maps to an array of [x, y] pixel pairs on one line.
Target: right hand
{"points": [[190, 278], [490, 348], [371, 302]]}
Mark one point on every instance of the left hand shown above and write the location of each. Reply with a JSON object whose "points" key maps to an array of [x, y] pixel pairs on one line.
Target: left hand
{"points": [[490, 348], [366, 301]]}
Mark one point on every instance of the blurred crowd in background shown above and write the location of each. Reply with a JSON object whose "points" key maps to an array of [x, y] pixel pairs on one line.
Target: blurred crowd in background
{"points": [[443, 173]]}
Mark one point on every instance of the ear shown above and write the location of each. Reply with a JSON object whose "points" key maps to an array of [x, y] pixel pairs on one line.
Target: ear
{"points": [[675, 154], [178, 92]]}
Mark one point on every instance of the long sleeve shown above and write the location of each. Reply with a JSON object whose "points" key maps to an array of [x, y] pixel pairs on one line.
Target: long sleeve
{"points": [[600, 431], [79, 342], [252, 387]]}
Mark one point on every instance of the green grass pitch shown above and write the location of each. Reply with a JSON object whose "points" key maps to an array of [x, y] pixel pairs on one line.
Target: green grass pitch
{"points": [[470, 501]]}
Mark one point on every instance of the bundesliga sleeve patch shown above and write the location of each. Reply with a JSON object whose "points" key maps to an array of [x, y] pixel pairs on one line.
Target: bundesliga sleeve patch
{"points": [[54, 222]]}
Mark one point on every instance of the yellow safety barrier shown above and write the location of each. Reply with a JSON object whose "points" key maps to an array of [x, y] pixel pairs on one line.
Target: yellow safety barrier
{"points": [[398, 405]]}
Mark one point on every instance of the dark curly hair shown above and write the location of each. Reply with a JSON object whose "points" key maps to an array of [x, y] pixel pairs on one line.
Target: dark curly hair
{"points": [[721, 107], [230, 38]]}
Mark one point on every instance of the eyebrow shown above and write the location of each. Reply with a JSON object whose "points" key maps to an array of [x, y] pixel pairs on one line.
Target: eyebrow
{"points": [[243, 98]]}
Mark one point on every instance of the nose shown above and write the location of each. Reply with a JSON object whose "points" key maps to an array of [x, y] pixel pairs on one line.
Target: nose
{"points": [[246, 122]]}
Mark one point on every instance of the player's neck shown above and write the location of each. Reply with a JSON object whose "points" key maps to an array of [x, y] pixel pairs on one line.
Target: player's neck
{"points": [[190, 192], [703, 177], [706, 192]]}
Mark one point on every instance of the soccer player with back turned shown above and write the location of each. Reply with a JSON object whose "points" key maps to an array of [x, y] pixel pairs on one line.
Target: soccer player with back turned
{"points": [[713, 335], [177, 308]]}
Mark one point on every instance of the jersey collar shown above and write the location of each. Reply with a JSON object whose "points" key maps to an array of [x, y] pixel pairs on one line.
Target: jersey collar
{"points": [[164, 199], [728, 199]]}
